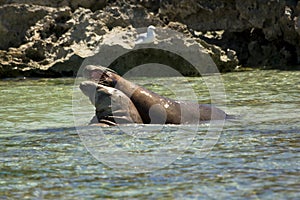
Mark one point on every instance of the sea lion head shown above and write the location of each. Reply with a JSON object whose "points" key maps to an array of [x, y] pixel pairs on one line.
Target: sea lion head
{"points": [[100, 97], [96, 93], [89, 89], [111, 104], [100, 74]]}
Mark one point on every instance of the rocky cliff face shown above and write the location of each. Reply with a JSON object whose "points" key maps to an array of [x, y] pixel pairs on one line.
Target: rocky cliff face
{"points": [[52, 38], [261, 32]]}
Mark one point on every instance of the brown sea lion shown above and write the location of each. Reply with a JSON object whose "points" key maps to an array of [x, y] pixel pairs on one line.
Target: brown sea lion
{"points": [[112, 106], [152, 107]]}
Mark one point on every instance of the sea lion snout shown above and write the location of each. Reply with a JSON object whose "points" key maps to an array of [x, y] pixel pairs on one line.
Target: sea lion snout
{"points": [[88, 88], [100, 74]]}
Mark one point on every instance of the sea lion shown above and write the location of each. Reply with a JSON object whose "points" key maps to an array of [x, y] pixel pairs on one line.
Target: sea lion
{"points": [[112, 106], [152, 106]]}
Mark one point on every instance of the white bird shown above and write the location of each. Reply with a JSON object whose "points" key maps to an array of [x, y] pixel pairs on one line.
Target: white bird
{"points": [[146, 38]]}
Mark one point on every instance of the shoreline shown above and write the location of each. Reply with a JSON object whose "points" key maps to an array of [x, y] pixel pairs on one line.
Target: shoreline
{"points": [[240, 70]]}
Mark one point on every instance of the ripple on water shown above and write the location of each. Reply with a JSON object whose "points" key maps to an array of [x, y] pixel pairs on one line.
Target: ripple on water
{"points": [[256, 157]]}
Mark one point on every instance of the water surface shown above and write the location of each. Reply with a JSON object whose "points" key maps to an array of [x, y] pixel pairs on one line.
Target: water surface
{"points": [[257, 157]]}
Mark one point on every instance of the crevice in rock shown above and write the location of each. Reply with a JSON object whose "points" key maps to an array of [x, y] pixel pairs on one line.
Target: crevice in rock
{"points": [[152, 55]]}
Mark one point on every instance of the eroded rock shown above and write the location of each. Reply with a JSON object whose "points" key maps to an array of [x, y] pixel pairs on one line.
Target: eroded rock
{"points": [[73, 4], [271, 25], [171, 48], [52, 38], [12, 26]]}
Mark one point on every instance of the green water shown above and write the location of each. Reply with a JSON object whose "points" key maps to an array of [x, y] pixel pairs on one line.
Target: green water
{"points": [[42, 156]]}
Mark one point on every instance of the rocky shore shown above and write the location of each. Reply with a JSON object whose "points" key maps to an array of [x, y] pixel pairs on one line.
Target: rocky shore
{"points": [[43, 38]]}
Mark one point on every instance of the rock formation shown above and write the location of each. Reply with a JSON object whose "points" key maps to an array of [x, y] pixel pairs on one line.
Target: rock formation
{"points": [[262, 33], [52, 38]]}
